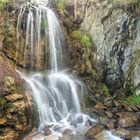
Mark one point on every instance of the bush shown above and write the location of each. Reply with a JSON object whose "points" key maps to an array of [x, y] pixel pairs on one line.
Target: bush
{"points": [[82, 38], [60, 6], [3, 3], [132, 100], [105, 90]]}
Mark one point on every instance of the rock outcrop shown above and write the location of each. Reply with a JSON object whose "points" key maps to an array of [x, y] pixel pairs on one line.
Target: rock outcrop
{"points": [[114, 30], [15, 108]]}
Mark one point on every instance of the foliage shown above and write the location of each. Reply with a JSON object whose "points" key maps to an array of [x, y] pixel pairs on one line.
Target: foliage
{"points": [[82, 37], [60, 6], [2, 102], [132, 100], [3, 3], [105, 90]]}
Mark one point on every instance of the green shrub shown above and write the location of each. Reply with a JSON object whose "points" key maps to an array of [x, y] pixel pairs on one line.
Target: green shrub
{"points": [[3, 3], [60, 6], [82, 38], [132, 100], [105, 90], [85, 40], [2, 102]]}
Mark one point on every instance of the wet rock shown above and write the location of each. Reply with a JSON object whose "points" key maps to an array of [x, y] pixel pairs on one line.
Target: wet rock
{"points": [[121, 132], [67, 132], [92, 132], [127, 119], [111, 124], [47, 132], [51, 137], [3, 121], [75, 137], [34, 136]]}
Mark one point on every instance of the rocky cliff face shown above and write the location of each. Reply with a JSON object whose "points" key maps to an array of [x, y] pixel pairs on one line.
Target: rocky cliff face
{"points": [[114, 28], [112, 59], [115, 32]]}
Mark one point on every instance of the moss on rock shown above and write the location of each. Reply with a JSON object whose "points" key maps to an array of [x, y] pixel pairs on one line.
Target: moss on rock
{"points": [[132, 100], [82, 37], [3, 4], [60, 6], [105, 90]]}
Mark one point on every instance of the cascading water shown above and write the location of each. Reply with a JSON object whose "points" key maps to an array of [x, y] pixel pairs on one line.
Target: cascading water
{"points": [[57, 94]]}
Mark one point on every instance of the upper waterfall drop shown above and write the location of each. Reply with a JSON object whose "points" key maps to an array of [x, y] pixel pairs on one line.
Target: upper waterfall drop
{"points": [[44, 41], [56, 42]]}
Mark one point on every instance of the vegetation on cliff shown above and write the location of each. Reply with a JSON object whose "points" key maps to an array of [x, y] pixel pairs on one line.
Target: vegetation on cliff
{"points": [[3, 3], [82, 37]]}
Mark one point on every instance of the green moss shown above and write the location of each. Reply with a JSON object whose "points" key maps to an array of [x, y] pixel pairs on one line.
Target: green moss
{"points": [[82, 37], [3, 4], [2, 103], [60, 6], [105, 90], [76, 35], [132, 100]]}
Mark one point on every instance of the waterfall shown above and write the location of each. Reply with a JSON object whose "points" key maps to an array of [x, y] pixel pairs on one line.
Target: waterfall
{"points": [[57, 94]]}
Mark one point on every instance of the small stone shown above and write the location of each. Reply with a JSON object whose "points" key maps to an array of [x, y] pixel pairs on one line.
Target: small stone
{"points": [[3, 121], [109, 114], [47, 132], [100, 106], [67, 131], [82, 68], [19, 127], [92, 132], [111, 124]]}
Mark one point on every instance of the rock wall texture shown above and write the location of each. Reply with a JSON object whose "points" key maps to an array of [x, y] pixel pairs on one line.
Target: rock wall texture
{"points": [[114, 28], [15, 108], [115, 33]]}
